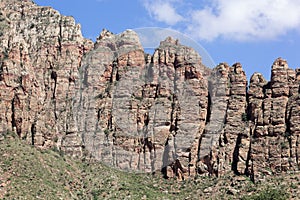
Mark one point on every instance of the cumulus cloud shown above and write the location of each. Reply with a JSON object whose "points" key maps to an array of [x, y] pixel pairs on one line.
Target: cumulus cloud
{"points": [[163, 11], [238, 20]]}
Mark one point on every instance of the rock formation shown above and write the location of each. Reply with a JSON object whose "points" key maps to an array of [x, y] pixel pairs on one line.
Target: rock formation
{"points": [[134, 111], [41, 52], [273, 109]]}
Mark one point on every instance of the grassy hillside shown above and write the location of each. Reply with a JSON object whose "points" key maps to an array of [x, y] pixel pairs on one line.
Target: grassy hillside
{"points": [[29, 173]]}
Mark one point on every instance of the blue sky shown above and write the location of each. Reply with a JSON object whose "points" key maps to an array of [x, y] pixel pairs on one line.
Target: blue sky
{"points": [[253, 33]]}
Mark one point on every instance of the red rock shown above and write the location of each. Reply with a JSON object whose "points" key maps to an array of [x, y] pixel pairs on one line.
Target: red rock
{"points": [[140, 112]]}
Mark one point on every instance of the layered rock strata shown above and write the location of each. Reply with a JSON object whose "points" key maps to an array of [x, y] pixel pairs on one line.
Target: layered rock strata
{"points": [[143, 112], [274, 114], [134, 111], [41, 53]]}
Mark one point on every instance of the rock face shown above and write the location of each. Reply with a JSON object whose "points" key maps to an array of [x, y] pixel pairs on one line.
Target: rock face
{"points": [[41, 52], [163, 112], [142, 113], [274, 113]]}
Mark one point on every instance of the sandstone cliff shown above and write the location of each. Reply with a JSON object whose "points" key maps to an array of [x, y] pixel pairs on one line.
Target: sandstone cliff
{"points": [[135, 111]]}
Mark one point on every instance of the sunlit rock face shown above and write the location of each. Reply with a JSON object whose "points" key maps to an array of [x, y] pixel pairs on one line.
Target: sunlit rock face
{"points": [[141, 112], [167, 112], [41, 53]]}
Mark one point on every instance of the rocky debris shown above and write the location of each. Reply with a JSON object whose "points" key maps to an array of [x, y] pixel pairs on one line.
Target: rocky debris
{"points": [[232, 191], [142, 112], [4, 182]]}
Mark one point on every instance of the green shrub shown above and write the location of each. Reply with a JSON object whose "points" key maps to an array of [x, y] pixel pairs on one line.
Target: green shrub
{"points": [[245, 117], [269, 194], [106, 132]]}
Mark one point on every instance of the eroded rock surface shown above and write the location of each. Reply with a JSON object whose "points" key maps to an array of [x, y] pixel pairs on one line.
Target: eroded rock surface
{"points": [[143, 112], [41, 52], [274, 111], [134, 111]]}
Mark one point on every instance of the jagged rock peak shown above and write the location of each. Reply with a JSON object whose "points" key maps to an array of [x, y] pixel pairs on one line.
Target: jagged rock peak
{"points": [[169, 41], [130, 36], [105, 34], [127, 34], [298, 74], [237, 67], [222, 67], [258, 78], [280, 63], [125, 41]]}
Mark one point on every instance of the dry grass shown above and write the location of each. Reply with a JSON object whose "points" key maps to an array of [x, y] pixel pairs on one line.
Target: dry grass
{"points": [[29, 173]]}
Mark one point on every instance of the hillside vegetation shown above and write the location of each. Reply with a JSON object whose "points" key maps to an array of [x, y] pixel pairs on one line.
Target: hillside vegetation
{"points": [[29, 173]]}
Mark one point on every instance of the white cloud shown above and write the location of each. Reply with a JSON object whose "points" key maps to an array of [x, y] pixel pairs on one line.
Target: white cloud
{"points": [[163, 11], [236, 19], [247, 19]]}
